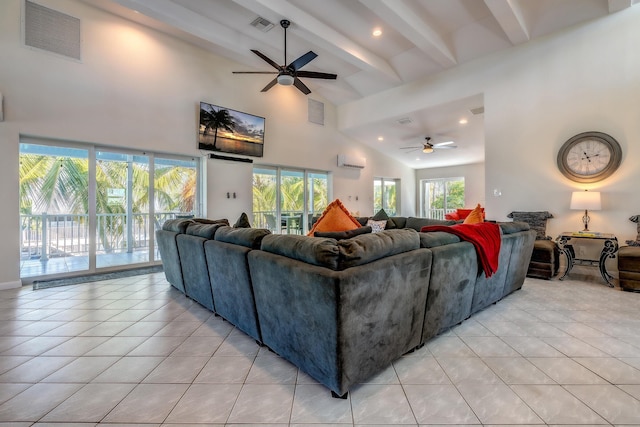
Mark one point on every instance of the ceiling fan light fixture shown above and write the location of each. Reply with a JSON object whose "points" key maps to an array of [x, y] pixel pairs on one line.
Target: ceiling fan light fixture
{"points": [[427, 150], [285, 79]]}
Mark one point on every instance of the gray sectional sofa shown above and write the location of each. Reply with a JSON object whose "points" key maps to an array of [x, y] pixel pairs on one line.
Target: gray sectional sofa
{"points": [[340, 310]]}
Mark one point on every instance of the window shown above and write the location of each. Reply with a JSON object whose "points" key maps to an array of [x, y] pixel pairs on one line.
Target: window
{"points": [[385, 195], [441, 196], [285, 200], [84, 208]]}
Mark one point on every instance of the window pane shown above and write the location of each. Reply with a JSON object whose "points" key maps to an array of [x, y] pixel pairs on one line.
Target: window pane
{"points": [[175, 191], [291, 201], [377, 195], [54, 184], [390, 197], [279, 197], [264, 199], [122, 209], [441, 196], [385, 195]]}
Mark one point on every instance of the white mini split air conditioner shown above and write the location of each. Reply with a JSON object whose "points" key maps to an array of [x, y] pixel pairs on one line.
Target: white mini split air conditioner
{"points": [[347, 161]]}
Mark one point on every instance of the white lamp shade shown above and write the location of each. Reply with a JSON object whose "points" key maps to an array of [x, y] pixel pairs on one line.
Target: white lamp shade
{"points": [[589, 200]]}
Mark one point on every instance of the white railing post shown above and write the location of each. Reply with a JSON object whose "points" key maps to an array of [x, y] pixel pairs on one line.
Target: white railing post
{"points": [[44, 253]]}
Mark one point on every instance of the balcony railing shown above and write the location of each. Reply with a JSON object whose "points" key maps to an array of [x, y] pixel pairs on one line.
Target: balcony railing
{"points": [[46, 236], [438, 213]]}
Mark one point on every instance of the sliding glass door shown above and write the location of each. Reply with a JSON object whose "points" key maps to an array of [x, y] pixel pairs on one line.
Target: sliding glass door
{"points": [[122, 209], [285, 200], [54, 208], [441, 196], [84, 209]]}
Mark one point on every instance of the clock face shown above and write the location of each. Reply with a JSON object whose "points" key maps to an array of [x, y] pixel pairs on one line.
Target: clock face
{"points": [[589, 157]]}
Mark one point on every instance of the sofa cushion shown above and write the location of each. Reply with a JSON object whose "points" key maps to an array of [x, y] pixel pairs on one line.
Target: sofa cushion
{"points": [[222, 221], [249, 237], [513, 227], [475, 216], [377, 226], [418, 223], [317, 251], [367, 248], [177, 225], [335, 218], [536, 220], [399, 221], [242, 222], [206, 231], [432, 239], [341, 235]]}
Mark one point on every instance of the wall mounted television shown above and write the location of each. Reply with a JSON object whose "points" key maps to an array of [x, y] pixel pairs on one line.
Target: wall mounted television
{"points": [[229, 131]]}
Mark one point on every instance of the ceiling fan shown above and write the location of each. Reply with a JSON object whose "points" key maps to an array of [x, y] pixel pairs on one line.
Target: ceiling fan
{"points": [[427, 147], [288, 75]]}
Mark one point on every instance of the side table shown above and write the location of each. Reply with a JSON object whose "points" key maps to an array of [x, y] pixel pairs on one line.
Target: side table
{"points": [[609, 243]]}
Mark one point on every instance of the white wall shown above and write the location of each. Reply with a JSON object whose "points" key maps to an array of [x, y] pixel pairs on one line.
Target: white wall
{"points": [[137, 88], [537, 96], [473, 175]]}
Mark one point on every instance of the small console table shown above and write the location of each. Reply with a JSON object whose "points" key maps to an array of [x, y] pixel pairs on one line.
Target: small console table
{"points": [[609, 249]]}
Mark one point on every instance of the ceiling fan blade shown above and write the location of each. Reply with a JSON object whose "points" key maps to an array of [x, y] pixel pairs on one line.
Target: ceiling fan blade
{"points": [[271, 84], [302, 61], [254, 72], [440, 144], [267, 59], [404, 148], [316, 75], [303, 88], [445, 147]]}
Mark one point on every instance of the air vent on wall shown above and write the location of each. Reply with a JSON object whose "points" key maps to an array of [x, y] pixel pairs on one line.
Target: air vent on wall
{"points": [[50, 30], [476, 111], [262, 24], [316, 112], [404, 120]]}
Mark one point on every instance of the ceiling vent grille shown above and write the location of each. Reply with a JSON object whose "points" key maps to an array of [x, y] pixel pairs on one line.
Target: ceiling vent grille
{"points": [[316, 112], [50, 30], [404, 120], [476, 111], [262, 24]]}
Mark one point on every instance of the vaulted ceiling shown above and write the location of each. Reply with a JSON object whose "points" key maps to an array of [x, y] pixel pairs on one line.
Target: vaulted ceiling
{"points": [[419, 38]]}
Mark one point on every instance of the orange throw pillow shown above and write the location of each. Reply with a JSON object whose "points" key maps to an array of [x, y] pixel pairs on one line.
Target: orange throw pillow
{"points": [[335, 218], [475, 216]]}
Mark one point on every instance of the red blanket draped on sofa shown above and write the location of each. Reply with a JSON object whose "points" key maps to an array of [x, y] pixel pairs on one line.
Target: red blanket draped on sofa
{"points": [[485, 237]]}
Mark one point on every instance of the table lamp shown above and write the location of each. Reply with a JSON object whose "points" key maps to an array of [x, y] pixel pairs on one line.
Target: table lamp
{"points": [[586, 200]]}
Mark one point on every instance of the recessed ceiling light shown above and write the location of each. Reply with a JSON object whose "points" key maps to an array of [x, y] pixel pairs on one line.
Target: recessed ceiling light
{"points": [[418, 158], [380, 138], [377, 32], [463, 121]]}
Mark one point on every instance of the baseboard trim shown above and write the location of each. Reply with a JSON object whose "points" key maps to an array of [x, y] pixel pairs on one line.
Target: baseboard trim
{"points": [[94, 277], [11, 285]]}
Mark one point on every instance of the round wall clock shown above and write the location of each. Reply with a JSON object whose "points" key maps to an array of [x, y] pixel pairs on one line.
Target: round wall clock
{"points": [[589, 157]]}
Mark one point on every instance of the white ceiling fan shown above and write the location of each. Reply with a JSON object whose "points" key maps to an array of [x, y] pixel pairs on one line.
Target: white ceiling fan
{"points": [[428, 147]]}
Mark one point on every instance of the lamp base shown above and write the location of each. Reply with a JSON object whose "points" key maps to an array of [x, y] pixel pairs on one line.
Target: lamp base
{"points": [[585, 220]]}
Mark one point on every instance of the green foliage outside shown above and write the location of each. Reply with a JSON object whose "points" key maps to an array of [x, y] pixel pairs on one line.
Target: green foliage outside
{"points": [[291, 198], [59, 185], [454, 195], [390, 200]]}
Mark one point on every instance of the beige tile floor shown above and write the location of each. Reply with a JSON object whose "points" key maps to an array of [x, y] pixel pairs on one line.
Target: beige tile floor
{"points": [[135, 352]]}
